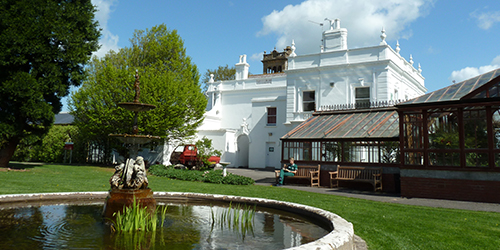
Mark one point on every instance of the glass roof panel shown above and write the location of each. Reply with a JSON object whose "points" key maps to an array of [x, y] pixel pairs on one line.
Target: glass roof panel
{"points": [[458, 90], [494, 91], [348, 125]]}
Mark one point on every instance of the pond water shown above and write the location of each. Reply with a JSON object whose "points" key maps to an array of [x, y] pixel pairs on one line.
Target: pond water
{"points": [[186, 226]]}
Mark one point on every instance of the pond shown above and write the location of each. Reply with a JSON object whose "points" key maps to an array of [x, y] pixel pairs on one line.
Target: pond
{"points": [[193, 225]]}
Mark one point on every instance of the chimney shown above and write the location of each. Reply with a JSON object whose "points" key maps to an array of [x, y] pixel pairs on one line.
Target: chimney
{"points": [[242, 68]]}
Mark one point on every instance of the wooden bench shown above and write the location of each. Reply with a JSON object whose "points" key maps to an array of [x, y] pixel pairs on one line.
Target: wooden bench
{"points": [[371, 175], [305, 172]]}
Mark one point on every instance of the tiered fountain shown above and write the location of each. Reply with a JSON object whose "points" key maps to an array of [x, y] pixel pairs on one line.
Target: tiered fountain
{"points": [[129, 181]]}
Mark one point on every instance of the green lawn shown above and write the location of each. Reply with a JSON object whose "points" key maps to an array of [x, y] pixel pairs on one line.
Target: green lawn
{"points": [[381, 225]]}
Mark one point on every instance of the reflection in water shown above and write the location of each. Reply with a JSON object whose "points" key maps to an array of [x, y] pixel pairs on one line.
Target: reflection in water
{"points": [[186, 227]]}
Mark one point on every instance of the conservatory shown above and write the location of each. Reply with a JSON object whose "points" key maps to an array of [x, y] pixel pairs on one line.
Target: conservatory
{"points": [[449, 141], [355, 137]]}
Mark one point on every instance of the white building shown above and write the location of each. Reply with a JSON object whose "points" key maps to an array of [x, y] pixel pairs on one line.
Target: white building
{"points": [[247, 116]]}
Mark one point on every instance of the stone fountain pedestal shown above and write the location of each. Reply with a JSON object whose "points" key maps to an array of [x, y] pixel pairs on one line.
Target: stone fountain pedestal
{"points": [[118, 199], [129, 182]]}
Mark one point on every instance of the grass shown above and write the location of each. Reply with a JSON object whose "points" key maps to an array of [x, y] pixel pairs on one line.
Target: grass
{"points": [[381, 225]]}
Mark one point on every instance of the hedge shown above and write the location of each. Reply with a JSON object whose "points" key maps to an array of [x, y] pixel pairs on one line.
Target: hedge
{"points": [[210, 176]]}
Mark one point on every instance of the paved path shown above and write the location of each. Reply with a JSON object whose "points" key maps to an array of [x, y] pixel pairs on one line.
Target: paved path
{"points": [[266, 177]]}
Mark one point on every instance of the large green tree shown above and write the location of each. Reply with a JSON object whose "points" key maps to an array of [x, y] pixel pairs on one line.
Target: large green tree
{"points": [[222, 73], [43, 48], [168, 79]]}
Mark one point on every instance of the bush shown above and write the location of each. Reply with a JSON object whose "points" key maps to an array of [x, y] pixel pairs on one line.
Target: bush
{"points": [[50, 148], [205, 150], [210, 176]]}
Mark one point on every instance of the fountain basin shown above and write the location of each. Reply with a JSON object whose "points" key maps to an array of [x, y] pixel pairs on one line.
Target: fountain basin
{"points": [[341, 235], [135, 139], [136, 106]]}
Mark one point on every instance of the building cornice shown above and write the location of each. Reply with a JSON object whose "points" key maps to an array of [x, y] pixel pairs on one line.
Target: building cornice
{"points": [[262, 89]]}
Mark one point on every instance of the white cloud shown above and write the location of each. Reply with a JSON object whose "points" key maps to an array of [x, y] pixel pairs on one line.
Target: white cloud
{"points": [[486, 19], [469, 72], [257, 56], [496, 60], [108, 41], [363, 19]]}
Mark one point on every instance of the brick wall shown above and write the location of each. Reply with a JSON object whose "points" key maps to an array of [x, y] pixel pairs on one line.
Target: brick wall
{"points": [[452, 189]]}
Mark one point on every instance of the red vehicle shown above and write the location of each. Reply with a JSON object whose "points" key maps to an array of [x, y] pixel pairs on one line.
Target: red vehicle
{"points": [[187, 155]]}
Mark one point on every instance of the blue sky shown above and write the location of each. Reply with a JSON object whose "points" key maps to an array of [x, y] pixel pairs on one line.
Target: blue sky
{"points": [[451, 40]]}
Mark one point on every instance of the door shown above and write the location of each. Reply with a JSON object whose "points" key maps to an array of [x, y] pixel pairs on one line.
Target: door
{"points": [[242, 151], [270, 154]]}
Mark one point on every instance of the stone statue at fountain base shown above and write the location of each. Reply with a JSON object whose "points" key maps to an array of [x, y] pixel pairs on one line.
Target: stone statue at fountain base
{"points": [[131, 175], [129, 182]]}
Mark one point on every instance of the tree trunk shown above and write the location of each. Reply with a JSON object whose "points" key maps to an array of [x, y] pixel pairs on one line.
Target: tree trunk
{"points": [[7, 151]]}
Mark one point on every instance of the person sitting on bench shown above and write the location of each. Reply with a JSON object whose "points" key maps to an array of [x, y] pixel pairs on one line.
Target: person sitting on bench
{"points": [[288, 170]]}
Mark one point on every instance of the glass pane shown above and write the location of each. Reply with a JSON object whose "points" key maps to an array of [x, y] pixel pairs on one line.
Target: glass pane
{"points": [[361, 152], [497, 159], [372, 152], [414, 158], [496, 128], [363, 92], [444, 159], [307, 151], [308, 106], [413, 128], [349, 152], [285, 151], [476, 133], [316, 151], [271, 120], [271, 111], [476, 159], [494, 91], [332, 151], [389, 152], [308, 96], [443, 130]]}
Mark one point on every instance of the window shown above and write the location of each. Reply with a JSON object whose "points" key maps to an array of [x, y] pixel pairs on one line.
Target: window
{"points": [[363, 97], [271, 116], [308, 101], [386, 152], [443, 137], [413, 135]]}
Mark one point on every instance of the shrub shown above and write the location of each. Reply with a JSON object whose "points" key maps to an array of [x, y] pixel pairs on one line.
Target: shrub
{"points": [[50, 148], [210, 176], [205, 150]]}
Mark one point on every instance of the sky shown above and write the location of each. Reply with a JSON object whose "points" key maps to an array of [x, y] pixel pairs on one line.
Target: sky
{"points": [[452, 40]]}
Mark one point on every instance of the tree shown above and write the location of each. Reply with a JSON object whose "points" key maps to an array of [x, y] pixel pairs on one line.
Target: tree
{"points": [[43, 48], [50, 148], [220, 74], [168, 79]]}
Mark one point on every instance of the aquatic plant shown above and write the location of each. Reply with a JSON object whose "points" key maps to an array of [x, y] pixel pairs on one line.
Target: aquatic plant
{"points": [[138, 218], [239, 218]]}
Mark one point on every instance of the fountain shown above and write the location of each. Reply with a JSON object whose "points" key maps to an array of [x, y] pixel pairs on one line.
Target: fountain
{"points": [[129, 181]]}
